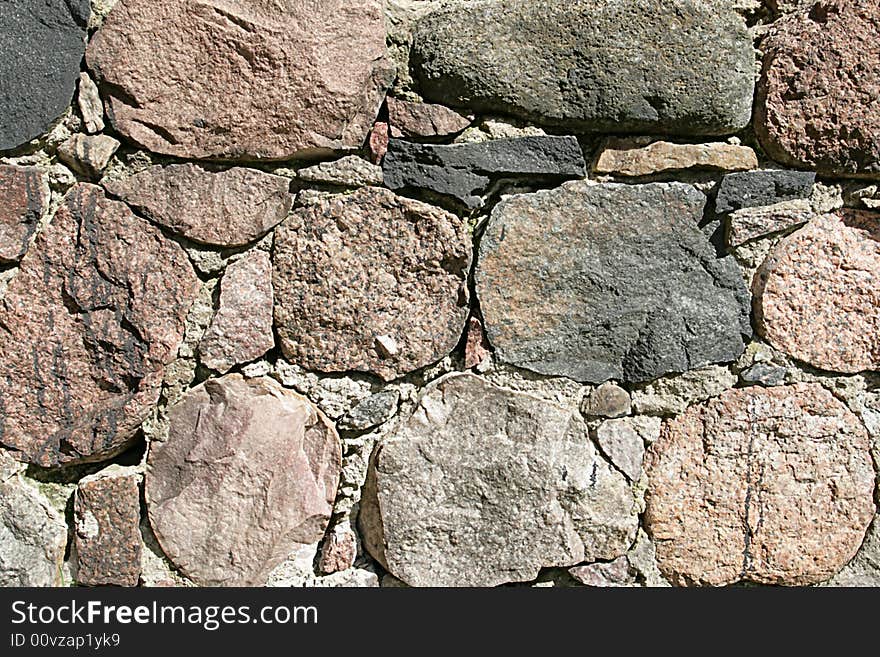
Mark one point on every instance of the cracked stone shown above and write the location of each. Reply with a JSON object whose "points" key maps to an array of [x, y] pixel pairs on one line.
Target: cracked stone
{"points": [[768, 485], [629, 157], [481, 486], [751, 189], [623, 446], [24, 199]]}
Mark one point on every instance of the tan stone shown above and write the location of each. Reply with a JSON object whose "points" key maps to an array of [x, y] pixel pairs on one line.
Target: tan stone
{"points": [[88, 155], [752, 223], [627, 157]]}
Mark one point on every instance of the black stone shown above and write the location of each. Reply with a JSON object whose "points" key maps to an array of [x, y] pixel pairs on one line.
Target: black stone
{"points": [[466, 172], [43, 45], [751, 189]]}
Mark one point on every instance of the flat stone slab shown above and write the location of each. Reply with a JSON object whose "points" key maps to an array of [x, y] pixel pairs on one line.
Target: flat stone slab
{"points": [[629, 157], [598, 282], [481, 486], [24, 199], [751, 189]]}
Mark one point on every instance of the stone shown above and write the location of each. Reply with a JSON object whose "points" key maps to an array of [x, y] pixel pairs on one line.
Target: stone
{"points": [[349, 171], [92, 319], [466, 172], [674, 394], [481, 486], [228, 208], [476, 346], [263, 80], [107, 509], [356, 271], [608, 400], [339, 550], [247, 474], [88, 155], [613, 573], [628, 157], [749, 189], [864, 569], [24, 199], [371, 412], [681, 67], [750, 224], [764, 374], [241, 331], [408, 119], [33, 537], [817, 97], [88, 99], [611, 281], [378, 142], [43, 44], [623, 446], [767, 485], [816, 297]]}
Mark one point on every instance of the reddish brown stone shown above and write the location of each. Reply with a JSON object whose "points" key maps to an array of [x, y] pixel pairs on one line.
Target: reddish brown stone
{"points": [[247, 474], [227, 208], [88, 324], [817, 296], [818, 95], [242, 328], [770, 485], [423, 119], [476, 347], [107, 507], [379, 142], [24, 198], [263, 80], [339, 550], [371, 282]]}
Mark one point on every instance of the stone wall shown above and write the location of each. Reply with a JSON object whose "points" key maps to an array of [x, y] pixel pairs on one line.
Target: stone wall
{"points": [[413, 293]]}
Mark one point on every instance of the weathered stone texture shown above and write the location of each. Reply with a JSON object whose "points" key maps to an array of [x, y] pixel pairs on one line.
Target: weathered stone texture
{"points": [[818, 95], [222, 208], [482, 486], [408, 119], [24, 199], [247, 474], [751, 224], [628, 157], [680, 67], [370, 282], [349, 171], [263, 80], [749, 189], [88, 155], [766, 485], [817, 296], [88, 325], [612, 282], [88, 99], [43, 43]]}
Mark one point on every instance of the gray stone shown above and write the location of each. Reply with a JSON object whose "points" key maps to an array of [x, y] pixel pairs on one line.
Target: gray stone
{"points": [[751, 224], [680, 67], [349, 171], [764, 374], [749, 189], [598, 282], [481, 486], [466, 172], [43, 44], [608, 400], [674, 394], [89, 102], [372, 411], [864, 569], [623, 446]]}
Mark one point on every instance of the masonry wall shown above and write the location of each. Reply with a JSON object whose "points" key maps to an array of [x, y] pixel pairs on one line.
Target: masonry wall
{"points": [[423, 293]]}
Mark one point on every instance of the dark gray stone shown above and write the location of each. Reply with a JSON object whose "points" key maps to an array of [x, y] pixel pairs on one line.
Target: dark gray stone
{"points": [[466, 171], [598, 282], [658, 66], [751, 189], [764, 374], [43, 44], [372, 411]]}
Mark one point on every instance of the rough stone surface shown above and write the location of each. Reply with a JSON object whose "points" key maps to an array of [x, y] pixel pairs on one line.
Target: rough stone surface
{"points": [[482, 486], [817, 98], [864, 569], [674, 394], [817, 297], [466, 172], [408, 119], [378, 141], [361, 275], [223, 208], [623, 446], [769, 485], [339, 550], [764, 374], [613, 573], [749, 189], [628, 157], [91, 320], [608, 400], [43, 43], [107, 509], [349, 171], [371, 412], [754, 223], [88, 155], [263, 80], [88, 99], [476, 347], [614, 282], [32, 537], [242, 328], [247, 473], [24, 199], [681, 67]]}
